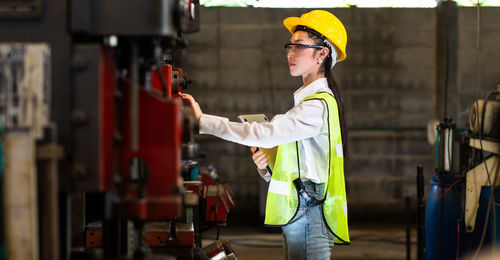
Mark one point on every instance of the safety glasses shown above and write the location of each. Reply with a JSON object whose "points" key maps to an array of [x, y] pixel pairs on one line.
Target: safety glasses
{"points": [[297, 46]]}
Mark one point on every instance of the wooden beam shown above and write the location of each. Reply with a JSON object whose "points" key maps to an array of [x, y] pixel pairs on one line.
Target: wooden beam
{"points": [[20, 196]]}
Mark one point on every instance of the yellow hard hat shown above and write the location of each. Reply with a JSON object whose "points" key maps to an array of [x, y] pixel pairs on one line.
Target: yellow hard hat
{"points": [[326, 24]]}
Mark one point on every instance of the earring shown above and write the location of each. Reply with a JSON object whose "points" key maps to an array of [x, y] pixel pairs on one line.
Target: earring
{"points": [[319, 61]]}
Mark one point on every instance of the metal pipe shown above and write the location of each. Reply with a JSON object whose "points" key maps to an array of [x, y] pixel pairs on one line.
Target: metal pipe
{"points": [[50, 153], [408, 228], [52, 209], [134, 102], [421, 213]]}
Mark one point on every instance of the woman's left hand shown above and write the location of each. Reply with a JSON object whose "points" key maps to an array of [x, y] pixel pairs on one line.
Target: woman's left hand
{"points": [[259, 158], [197, 113]]}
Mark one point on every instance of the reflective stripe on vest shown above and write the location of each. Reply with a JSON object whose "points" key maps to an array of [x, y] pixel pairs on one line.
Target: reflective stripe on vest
{"points": [[282, 197]]}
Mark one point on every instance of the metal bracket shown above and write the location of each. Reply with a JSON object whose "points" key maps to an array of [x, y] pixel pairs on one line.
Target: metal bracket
{"points": [[475, 179], [485, 145], [51, 151]]}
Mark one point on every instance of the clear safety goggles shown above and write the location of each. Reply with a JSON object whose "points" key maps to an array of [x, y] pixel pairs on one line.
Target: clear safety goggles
{"points": [[299, 47]]}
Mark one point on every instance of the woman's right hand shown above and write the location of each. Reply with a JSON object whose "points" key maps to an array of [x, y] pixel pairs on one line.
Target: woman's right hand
{"points": [[197, 113], [259, 158]]}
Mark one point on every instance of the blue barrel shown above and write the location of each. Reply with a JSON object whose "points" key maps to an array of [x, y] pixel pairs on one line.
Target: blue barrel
{"points": [[444, 227]]}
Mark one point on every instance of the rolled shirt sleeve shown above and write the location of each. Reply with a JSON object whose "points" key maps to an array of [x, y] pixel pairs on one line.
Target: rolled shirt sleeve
{"points": [[303, 121], [265, 175]]}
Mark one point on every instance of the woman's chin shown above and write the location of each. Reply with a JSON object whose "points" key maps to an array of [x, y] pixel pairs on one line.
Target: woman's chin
{"points": [[294, 73]]}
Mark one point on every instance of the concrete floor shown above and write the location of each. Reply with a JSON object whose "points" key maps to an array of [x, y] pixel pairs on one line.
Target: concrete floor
{"points": [[369, 241]]}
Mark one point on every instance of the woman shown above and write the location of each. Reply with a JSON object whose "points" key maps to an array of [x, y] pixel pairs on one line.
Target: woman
{"points": [[306, 194]]}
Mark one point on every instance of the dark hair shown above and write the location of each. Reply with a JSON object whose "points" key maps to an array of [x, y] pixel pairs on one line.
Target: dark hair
{"points": [[336, 93]]}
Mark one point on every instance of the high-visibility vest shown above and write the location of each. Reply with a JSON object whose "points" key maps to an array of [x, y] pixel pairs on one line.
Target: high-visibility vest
{"points": [[282, 197]]}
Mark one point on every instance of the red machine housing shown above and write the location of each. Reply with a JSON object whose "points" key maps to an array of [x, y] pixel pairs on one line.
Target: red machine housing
{"points": [[159, 148], [174, 80], [106, 106], [156, 84], [219, 199]]}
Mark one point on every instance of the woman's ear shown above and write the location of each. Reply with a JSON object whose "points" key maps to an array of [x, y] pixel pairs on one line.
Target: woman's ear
{"points": [[324, 52]]}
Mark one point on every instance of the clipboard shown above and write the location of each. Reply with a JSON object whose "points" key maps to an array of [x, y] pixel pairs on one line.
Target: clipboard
{"points": [[258, 118], [271, 152]]}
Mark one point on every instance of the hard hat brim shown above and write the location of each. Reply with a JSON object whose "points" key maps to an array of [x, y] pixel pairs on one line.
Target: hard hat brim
{"points": [[291, 22]]}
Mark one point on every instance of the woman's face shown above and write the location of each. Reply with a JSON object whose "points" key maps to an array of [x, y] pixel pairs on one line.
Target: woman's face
{"points": [[302, 61]]}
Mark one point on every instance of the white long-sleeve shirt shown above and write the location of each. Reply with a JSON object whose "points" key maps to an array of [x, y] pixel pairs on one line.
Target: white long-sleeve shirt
{"points": [[306, 121]]}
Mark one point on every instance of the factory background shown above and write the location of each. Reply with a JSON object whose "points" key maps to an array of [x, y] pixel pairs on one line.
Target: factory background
{"points": [[99, 158], [393, 83]]}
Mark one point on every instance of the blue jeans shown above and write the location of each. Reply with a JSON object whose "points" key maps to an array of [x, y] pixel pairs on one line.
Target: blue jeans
{"points": [[307, 236]]}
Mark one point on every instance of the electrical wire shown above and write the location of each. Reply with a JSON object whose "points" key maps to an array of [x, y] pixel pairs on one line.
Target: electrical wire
{"points": [[440, 198], [448, 189], [491, 200], [437, 150], [458, 239], [437, 187], [1, 152], [450, 149], [477, 88], [447, 62], [481, 132], [3, 246]]}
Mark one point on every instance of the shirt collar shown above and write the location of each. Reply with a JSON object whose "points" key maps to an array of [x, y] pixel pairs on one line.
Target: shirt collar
{"points": [[319, 85]]}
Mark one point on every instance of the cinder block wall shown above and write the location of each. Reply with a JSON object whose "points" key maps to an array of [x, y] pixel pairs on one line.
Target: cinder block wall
{"points": [[238, 66], [488, 60]]}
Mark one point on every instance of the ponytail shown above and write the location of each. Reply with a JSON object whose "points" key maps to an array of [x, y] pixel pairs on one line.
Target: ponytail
{"points": [[340, 103], [338, 97]]}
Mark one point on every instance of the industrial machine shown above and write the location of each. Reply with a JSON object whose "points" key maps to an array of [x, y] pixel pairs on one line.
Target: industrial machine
{"points": [[96, 140], [462, 212]]}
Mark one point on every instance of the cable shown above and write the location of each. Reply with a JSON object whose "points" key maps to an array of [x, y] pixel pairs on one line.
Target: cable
{"points": [[447, 62], [458, 240], [478, 35], [492, 184], [481, 128], [437, 151], [477, 89], [450, 148], [448, 189], [1, 152], [3, 246], [437, 189]]}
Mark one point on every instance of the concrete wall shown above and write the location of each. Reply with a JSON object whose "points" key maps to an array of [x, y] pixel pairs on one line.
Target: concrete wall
{"points": [[488, 61], [238, 66]]}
